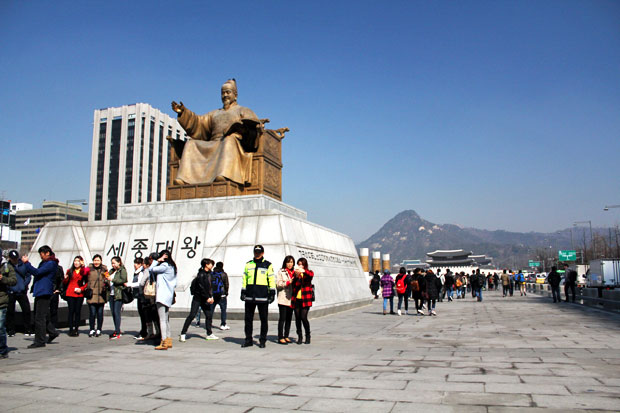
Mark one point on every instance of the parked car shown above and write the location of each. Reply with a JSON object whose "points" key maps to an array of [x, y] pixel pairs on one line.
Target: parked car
{"points": [[541, 278]]}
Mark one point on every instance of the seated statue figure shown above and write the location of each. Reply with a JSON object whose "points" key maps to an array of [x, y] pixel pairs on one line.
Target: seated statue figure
{"points": [[221, 142]]}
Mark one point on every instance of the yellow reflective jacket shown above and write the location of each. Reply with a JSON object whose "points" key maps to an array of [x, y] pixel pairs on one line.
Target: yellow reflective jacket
{"points": [[258, 281]]}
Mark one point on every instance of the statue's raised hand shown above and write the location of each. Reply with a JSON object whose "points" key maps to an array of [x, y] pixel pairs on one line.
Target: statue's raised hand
{"points": [[178, 107]]}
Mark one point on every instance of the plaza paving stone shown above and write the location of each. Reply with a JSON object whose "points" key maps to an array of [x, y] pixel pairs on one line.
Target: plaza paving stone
{"points": [[515, 354]]}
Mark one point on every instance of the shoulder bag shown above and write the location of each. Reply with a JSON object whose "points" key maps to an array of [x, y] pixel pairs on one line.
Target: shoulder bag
{"points": [[150, 289], [127, 295]]}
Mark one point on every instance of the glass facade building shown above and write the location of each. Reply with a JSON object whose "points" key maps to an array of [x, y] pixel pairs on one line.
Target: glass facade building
{"points": [[129, 162]]}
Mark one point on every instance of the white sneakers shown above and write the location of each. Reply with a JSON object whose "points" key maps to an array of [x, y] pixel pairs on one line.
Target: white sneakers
{"points": [[224, 327], [420, 312], [399, 313], [209, 337], [433, 312]]}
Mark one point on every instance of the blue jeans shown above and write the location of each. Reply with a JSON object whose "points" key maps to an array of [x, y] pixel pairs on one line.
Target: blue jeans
{"points": [[96, 313], [555, 292], [115, 309], [222, 303], [479, 293], [3, 347], [385, 301], [449, 292]]}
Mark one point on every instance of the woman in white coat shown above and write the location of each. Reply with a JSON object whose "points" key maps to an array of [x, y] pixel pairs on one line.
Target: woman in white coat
{"points": [[285, 290], [166, 272]]}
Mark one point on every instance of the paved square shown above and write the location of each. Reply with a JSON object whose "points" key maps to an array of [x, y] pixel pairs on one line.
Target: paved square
{"points": [[519, 354]]}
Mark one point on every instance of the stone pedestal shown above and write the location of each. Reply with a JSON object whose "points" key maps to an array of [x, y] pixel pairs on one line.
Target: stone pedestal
{"points": [[223, 229], [266, 174]]}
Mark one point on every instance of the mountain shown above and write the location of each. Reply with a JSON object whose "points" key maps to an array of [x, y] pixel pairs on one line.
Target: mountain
{"points": [[408, 236]]}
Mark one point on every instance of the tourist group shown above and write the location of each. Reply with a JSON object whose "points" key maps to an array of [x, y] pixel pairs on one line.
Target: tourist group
{"points": [[153, 287]]}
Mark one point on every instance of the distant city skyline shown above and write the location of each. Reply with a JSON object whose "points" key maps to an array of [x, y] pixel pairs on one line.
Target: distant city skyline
{"points": [[493, 115]]}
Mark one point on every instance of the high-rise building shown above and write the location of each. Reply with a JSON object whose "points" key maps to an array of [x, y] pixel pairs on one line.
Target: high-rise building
{"points": [[31, 221], [129, 158]]}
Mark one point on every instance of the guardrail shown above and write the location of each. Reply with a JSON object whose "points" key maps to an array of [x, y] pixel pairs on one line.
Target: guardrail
{"points": [[608, 299]]}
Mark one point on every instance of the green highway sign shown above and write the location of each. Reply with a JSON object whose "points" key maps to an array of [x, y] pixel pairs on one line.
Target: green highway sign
{"points": [[534, 263], [567, 255]]}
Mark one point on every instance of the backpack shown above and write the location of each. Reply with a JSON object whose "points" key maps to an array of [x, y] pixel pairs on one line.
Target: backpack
{"points": [[216, 283], [193, 287], [415, 286], [459, 283], [400, 285]]}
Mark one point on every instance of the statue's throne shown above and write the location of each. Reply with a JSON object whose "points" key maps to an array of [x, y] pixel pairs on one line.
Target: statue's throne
{"points": [[266, 178]]}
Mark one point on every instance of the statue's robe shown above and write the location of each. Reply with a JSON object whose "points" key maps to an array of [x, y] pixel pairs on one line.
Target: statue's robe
{"points": [[213, 149]]}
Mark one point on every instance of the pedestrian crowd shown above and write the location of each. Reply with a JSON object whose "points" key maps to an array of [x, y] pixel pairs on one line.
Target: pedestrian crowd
{"points": [[426, 288], [152, 285]]}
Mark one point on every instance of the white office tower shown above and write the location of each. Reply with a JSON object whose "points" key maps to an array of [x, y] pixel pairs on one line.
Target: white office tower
{"points": [[129, 158]]}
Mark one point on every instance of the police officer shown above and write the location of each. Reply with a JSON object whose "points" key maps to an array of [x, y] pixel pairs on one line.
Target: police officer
{"points": [[258, 291]]}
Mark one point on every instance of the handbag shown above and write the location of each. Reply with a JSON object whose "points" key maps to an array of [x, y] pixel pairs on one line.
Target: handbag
{"points": [[88, 293], [103, 290], [63, 292], [150, 290], [127, 295], [313, 296]]}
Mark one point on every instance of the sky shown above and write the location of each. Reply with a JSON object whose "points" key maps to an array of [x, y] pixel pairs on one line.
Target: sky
{"points": [[486, 114]]}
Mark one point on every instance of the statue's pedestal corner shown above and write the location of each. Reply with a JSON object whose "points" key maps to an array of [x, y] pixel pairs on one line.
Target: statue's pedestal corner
{"points": [[216, 190]]}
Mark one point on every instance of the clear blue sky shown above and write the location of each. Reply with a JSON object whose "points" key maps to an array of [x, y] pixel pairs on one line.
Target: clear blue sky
{"points": [[491, 114]]}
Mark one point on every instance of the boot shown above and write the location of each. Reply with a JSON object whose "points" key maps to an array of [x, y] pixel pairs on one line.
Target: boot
{"points": [[300, 337], [307, 338], [162, 346], [169, 342]]}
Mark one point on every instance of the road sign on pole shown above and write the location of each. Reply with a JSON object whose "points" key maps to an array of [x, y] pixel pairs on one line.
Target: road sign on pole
{"points": [[567, 255], [534, 263]]}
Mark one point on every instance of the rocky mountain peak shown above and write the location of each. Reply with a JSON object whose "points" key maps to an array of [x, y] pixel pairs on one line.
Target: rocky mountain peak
{"points": [[409, 236]]}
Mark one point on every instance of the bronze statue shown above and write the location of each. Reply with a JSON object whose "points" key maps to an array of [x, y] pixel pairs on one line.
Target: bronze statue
{"points": [[221, 142]]}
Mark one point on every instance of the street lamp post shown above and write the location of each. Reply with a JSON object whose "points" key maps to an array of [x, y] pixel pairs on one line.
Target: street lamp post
{"points": [[73, 201], [591, 237], [607, 208]]}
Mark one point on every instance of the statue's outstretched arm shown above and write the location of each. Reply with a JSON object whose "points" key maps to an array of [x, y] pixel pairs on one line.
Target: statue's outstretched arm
{"points": [[178, 107]]}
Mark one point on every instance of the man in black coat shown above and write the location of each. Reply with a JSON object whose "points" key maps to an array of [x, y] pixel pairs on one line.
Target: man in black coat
{"points": [[554, 280], [570, 283]]}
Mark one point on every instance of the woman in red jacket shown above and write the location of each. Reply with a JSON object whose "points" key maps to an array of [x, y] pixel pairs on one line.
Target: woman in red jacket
{"points": [[74, 283], [301, 299]]}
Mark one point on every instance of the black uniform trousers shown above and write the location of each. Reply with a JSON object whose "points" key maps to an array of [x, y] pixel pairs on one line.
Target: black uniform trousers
{"points": [[263, 308]]}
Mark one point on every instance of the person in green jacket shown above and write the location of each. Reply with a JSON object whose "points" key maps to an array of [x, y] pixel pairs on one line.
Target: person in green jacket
{"points": [[258, 291], [8, 278], [117, 279]]}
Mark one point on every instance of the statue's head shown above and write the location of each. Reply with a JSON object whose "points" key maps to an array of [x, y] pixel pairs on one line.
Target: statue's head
{"points": [[229, 93]]}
